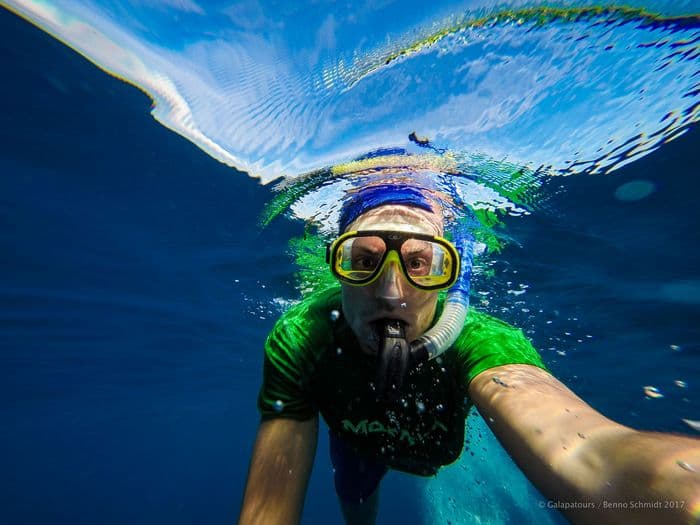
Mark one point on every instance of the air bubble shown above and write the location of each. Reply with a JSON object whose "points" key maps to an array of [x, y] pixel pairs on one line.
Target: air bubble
{"points": [[652, 392], [500, 382], [686, 466], [335, 314], [279, 406], [695, 425]]}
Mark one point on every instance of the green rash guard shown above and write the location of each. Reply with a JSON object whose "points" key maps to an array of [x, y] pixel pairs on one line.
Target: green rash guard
{"points": [[313, 363]]}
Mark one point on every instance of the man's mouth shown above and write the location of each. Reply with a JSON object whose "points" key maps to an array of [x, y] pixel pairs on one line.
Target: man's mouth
{"points": [[386, 318]]}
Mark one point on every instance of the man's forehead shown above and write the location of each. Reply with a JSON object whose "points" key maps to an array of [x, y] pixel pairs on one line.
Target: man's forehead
{"points": [[399, 217]]}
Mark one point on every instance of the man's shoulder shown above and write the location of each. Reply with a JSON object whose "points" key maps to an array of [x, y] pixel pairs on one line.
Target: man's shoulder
{"points": [[317, 305], [309, 323], [480, 320], [482, 328], [487, 342]]}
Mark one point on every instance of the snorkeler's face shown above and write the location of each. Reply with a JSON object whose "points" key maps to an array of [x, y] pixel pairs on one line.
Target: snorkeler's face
{"points": [[391, 296]]}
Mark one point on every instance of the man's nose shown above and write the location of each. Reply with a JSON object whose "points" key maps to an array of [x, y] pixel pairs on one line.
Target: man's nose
{"points": [[391, 283]]}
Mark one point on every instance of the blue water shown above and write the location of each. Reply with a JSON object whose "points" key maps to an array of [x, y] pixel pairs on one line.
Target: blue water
{"points": [[136, 290]]}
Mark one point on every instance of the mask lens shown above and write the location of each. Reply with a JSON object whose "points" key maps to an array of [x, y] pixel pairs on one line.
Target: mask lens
{"points": [[427, 263], [358, 258]]}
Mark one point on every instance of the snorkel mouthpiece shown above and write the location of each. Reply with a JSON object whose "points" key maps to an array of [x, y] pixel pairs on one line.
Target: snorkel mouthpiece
{"points": [[394, 357]]}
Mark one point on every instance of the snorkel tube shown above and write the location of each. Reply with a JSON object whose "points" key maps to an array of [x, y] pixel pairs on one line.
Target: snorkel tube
{"points": [[448, 327]]}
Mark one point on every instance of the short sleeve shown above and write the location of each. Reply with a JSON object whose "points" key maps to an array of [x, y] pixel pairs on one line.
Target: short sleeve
{"points": [[291, 353], [486, 342]]}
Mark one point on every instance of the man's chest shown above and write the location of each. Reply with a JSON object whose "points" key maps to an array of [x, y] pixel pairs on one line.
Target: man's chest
{"points": [[427, 413]]}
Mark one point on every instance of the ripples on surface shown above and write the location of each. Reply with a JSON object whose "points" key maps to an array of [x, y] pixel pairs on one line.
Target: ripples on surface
{"points": [[282, 91]]}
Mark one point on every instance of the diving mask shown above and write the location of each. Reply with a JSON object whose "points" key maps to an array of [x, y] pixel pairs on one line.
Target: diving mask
{"points": [[428, 262]]}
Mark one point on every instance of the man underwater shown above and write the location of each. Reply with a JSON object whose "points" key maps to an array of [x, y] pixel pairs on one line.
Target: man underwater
{"points": [[393, 370]]}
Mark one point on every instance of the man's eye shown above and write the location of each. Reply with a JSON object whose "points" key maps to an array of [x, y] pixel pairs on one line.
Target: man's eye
{"points": [[364, 263], [417, 265]]}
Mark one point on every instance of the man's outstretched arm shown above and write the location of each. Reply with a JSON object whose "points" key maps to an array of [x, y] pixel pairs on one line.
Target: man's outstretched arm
{"points": [[579, 458], [279, 472]]}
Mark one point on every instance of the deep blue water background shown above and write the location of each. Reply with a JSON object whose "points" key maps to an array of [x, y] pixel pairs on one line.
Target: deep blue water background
{"points": [[136, 290]]}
